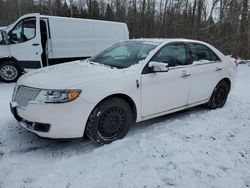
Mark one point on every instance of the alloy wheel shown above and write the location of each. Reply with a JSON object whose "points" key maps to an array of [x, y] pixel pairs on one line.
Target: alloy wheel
{"points": [[8, 72]]}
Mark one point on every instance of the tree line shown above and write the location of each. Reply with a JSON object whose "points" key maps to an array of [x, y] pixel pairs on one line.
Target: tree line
{"points": [[222, 23]]}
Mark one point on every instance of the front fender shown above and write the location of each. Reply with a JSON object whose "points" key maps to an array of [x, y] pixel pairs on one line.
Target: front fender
{"points": [[119, 85], [5, 51]]}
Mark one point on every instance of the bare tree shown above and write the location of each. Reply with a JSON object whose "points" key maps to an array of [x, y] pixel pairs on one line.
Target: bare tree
{"points": [[154, 18]]}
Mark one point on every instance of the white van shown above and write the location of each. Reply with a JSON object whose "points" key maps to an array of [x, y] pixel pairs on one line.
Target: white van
{"points": [[36, 41]]}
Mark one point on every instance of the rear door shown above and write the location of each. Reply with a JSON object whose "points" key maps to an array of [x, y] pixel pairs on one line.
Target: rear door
{"points": [[206, 70], [25, 41]]}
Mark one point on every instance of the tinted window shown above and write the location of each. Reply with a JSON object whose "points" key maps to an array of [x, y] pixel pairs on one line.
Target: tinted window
{"points": [[200, 52], [24, 31], [173, 54]]}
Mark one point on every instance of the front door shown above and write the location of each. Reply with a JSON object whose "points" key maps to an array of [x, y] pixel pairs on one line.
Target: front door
{"points": [[163, 91], [25, 42]]}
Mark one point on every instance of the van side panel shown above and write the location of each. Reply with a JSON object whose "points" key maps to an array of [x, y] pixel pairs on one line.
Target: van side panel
{"points": [[71, 38], [5, 51], [109, 33]]}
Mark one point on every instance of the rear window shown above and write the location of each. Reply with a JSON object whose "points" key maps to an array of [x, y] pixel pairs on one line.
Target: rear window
{"points": [[201, 52]]}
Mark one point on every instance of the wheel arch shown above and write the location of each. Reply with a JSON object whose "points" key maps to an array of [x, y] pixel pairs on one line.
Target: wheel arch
{"points": [[125, 97], [12, 59], [228, 81]]}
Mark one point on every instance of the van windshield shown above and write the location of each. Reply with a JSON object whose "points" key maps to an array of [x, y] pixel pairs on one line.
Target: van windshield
{"points": [[124, 54]]}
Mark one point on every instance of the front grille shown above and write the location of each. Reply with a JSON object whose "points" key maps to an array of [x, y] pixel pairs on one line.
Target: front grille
{"points": [[23, 95]]}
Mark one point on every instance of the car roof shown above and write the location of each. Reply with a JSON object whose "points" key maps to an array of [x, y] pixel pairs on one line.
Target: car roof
{"points": [[166, 40]]}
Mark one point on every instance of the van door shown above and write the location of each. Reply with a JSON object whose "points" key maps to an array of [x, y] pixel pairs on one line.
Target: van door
{"points": [[4, 47], [45, 41], [25, 41]]}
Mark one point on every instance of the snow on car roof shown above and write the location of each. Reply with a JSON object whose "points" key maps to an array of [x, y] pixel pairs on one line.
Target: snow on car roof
{"points": [[161, 40]]}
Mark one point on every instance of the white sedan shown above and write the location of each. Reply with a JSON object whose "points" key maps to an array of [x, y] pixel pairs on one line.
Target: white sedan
{"points": [[131, 81]]}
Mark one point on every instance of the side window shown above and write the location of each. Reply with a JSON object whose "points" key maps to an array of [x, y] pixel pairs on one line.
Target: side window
{"points": [[24, 31], [173, 54], [16, 33], [200, 53], [29, 29]]}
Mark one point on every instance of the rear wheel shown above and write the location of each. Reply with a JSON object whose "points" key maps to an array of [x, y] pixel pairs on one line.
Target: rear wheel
{"points": [[109, 121], [219, 96], [9, 72]]}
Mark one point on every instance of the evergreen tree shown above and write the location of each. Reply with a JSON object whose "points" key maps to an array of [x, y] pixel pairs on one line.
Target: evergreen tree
{"points": [[2, 13], [109, 15], [95, 13], [58, 8], [66, 10]]}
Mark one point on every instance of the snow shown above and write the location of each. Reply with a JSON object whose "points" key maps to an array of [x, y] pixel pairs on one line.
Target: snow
{"points": [[193, 148]]}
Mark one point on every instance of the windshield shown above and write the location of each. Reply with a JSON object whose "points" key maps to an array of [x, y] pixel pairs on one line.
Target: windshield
{"points": [[124, 54]]}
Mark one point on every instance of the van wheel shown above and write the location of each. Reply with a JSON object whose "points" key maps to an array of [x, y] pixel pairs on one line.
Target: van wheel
{"points": [[9, 72], [219, 96], [109, 121]]}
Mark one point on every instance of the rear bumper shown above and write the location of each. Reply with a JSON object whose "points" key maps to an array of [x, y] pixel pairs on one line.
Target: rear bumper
{"points": [[57, 121]]}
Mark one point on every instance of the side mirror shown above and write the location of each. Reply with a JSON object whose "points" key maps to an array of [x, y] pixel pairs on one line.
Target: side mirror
{"points": [[158, 67], [4, 37]]}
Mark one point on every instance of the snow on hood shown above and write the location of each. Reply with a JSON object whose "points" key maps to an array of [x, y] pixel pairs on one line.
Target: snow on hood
{"points": [[67, 75]]}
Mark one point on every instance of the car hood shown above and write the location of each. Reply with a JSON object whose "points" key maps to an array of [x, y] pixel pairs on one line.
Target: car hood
{"points": [[68, 75]]}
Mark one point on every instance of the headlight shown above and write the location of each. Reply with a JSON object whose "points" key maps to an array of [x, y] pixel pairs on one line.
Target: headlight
{"points": [[57, 96]]}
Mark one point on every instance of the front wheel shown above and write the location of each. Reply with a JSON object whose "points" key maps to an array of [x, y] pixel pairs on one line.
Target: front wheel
{"points": [[109, 121], [9, 72], [219, 96]]}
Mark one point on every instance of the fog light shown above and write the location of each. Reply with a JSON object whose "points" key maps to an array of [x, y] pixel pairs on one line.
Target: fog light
{"points": [[41, 127]]}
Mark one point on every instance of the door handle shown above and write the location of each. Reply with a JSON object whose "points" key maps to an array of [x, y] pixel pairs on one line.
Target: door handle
{"points": [[185, 75], [218, 69], [35, 44]]}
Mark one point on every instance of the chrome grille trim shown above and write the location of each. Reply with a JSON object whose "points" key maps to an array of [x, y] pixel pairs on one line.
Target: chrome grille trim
{"points": [[23, 95]]}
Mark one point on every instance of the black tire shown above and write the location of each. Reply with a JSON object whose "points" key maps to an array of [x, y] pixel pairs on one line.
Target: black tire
{"points": [[219, 96], [9, 72], [109, 121]]}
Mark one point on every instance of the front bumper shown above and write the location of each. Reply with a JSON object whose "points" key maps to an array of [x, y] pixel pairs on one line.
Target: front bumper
{"points": [[32, 126], [66, 120]]}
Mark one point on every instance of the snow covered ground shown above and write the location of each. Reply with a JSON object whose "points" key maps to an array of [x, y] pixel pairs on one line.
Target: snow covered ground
{"points": [[194, 148]]}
